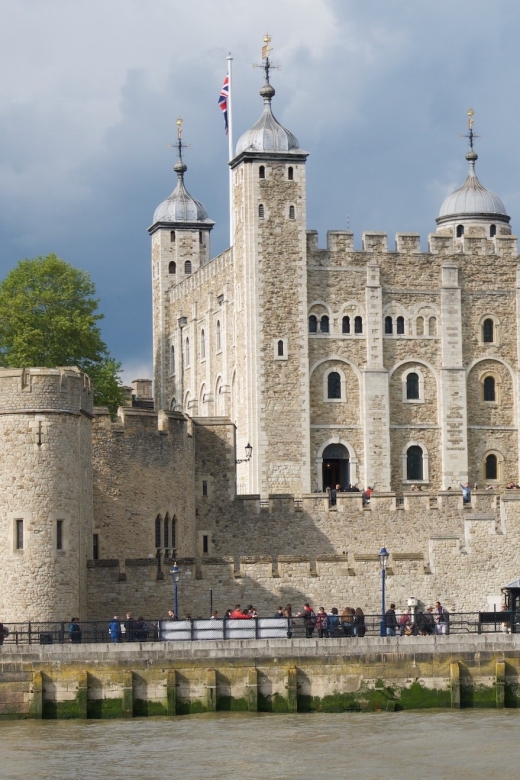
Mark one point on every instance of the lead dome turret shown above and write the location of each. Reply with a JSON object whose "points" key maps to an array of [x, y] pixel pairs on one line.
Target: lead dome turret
{"points": [[268, 135]]}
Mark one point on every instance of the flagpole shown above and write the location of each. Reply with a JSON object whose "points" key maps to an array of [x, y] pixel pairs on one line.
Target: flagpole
{"points": [[231, 150]]}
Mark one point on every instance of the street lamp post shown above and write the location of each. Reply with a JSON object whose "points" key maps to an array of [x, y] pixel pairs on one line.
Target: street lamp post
{"points": [[176, 575], [383, 561]]}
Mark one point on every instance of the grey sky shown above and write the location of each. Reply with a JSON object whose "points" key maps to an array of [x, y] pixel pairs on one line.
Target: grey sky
{"points": [[375, 90]]}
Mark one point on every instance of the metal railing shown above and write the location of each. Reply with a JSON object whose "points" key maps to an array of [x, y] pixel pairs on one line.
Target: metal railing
{"points": [[253, 628]]}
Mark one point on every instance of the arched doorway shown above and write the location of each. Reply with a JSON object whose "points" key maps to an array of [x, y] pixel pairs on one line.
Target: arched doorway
{"points": [[336, 466]]}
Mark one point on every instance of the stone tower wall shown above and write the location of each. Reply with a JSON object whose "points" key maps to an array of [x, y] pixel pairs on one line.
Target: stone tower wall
{"points": [[45, 478]]}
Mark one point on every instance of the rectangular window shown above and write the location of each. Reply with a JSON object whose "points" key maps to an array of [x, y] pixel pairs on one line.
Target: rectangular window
{"points": [[95, 547], [204, 488], [205, 544], [59, 534], [19, 534]]}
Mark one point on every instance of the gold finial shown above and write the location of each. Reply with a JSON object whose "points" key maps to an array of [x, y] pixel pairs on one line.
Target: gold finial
{"points": [[266, 49], [471, 114], [179, 128]]}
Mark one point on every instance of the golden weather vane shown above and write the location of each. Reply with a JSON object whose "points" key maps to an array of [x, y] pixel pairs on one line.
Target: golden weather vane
{"points": [[266, 65], [470, 135], [179, 127], [266, 49], [179, 145]]}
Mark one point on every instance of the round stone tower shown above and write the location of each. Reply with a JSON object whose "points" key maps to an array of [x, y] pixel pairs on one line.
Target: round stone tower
{"points": [[45, 493]]}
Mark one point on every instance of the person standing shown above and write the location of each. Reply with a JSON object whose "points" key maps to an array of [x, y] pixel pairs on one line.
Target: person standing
{"points": [[391, 621], [114, 629], [333, 622], [466, 493], [442, 619], [321, 622], [359, 623], [309, 619], [74, 631], [129, 628]]}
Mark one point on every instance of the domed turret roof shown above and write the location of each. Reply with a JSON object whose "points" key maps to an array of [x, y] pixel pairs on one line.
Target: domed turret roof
{"points": [[267, 135], [472, 197], [180, 206]]}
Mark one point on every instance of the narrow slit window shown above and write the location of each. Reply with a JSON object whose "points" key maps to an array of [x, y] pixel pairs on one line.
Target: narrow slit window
{"points": [[205, 544], [172, 236], [313, 324], [187, 267], [95, 547], [219, 340], [400, 326], [388, 325], [166, 530], [187, 353], [172, 360], [202, 344], [261, 211], [158, 523], [174, 533], [488, 331], [493, 231], [324, 324], [280, 348], [261, 172], [290, 173], [204, 487], [358, 325], [489, 389], [292, 212], [345, 325], [19, 534], [59, 534]]}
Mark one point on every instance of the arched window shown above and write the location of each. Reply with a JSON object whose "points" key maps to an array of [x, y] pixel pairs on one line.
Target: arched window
{"points": [[261, 211], [489, 389], [280, 348], [345, 325], [158, 523], [219, 340], [388, 325], [493, 231], [460, 231], [292, 212], [313, 324], [488, 331], [172, 268], [399, 329], [261, 172], [412, 386], [174, 532], [200, 236], [172, 236], [333, 385], [290, 173], [166, 530], [324, 324], [187, 352], [414, 463], [202, 344], [358, 325], [172, 360], [491, 467], [432, 326], [187, 267]]}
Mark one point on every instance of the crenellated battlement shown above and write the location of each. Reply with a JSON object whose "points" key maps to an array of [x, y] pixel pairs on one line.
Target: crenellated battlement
{"points": [[131, 421], [340, 246], [202, 276], [28, 390]]}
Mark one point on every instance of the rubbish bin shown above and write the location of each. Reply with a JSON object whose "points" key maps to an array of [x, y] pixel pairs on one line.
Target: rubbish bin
{"points": [[46, 638]]}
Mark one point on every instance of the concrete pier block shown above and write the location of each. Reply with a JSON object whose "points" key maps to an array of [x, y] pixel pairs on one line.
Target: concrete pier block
{"points": [[252, 687], [128, 694], [455, 685], [82, 694], [292, 689], [500, 684], [211, 690], [36, 702]]}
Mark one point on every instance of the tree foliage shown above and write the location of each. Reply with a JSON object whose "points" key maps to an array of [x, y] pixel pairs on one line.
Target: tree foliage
{"points": [[49, 317]]}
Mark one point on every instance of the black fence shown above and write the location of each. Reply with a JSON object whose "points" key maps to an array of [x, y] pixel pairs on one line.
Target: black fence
{"points": [[253, 628]]}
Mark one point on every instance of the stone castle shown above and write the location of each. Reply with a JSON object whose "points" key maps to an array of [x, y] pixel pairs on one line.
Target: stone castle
{"points": [[280, 370]]}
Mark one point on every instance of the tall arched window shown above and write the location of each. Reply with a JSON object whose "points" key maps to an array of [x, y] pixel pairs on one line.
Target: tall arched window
{"points": [[174, 532], [414, 463], [412, 386], [345, 325], [489, 389], [202, 344], [493, 231], [292, 212], [158, 523], [187, 352], [166, 530], [491, 467], [358, 324], [172, 236], [172, 268], [419, 326], [432, 326], [333, 385], [261, 211], [488, 331], [399, 329], [313, 324], [261, 172], [187, 267], [460, 231], [324, 324], [280, 348], [172, 360], [290, 173], [388, 325], [219, 339]]}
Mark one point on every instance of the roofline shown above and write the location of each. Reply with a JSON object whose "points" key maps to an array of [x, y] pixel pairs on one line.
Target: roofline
{"points": [[251, 156], [473, 215], [207, 225]]}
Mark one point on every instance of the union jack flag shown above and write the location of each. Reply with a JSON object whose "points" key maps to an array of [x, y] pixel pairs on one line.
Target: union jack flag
{"points": [[223, 100]]}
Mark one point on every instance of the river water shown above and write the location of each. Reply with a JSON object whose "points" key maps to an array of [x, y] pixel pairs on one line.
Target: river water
{"points": [[431, 745]]}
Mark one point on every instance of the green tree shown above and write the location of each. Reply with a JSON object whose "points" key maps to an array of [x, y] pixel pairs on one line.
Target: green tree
{"points": [[48, 317]]}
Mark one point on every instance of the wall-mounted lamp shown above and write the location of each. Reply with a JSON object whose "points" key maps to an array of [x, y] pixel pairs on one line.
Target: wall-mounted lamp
{"points": [[249, 452]]}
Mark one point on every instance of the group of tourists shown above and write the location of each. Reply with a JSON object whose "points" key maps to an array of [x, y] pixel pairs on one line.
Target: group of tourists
{"points": [[349, 622], [128, 630], [365, 494], [433, 621]]}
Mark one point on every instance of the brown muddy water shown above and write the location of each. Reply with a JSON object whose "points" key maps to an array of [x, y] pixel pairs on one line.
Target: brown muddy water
{"points": [[431, 745]]}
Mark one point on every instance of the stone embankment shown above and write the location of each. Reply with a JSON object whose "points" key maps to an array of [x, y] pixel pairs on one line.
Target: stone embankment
{"points": [[133, 679]]}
